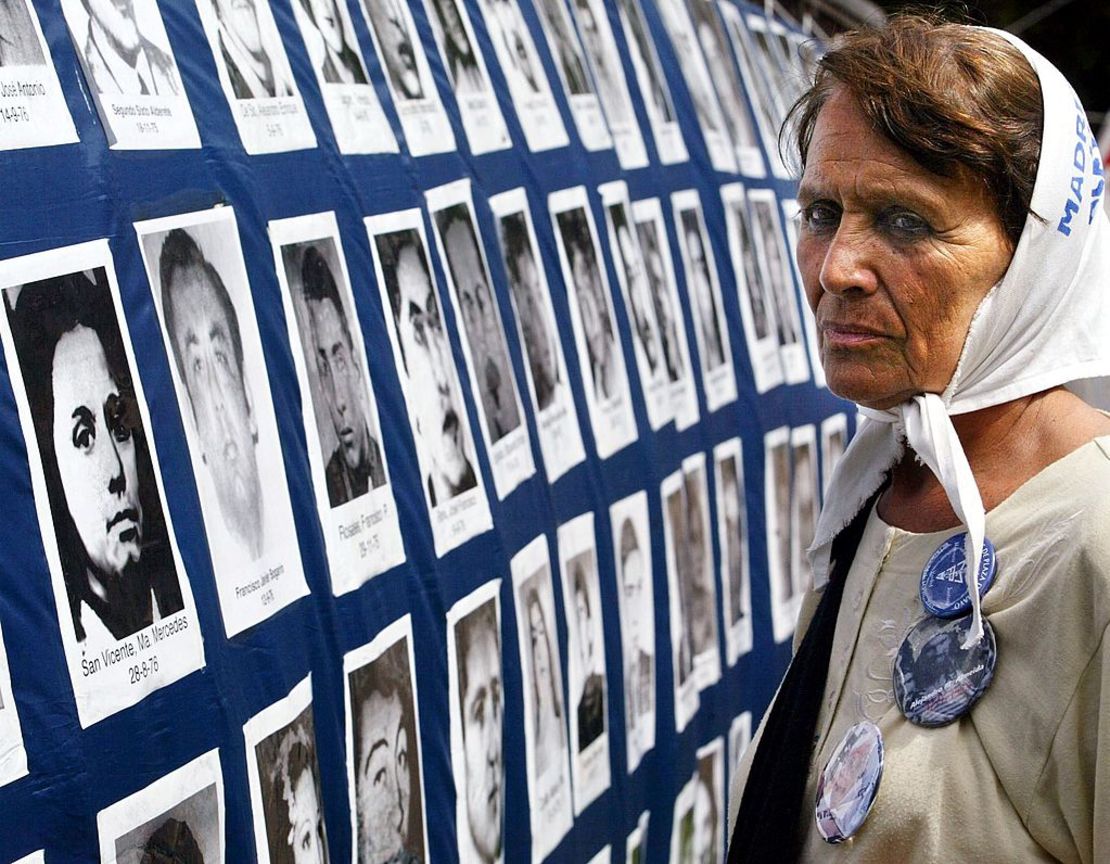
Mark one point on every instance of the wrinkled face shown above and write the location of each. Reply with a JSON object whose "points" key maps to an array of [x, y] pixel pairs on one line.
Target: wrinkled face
{"points": [[305, 815], [431, 393], [382, 785], [241, 19], [95, 450], [895, 260], [117, 18], [328, 22], [219, 398], [341, 380], [533, 320], [392, 28], [482, 730]]}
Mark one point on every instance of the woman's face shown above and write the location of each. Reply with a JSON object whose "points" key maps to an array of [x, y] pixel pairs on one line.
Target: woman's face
{"points": [[894, 259], [95, 449]]}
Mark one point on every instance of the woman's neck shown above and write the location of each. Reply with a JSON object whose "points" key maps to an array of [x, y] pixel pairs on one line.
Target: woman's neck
{"points": [[1005, 444]]}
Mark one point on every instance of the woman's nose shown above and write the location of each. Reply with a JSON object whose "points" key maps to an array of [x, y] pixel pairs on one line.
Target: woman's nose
{"points": [[846, 266]]}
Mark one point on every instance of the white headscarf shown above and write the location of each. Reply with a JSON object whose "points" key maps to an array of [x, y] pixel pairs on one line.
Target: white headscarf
{"points": [[1046, 323]]}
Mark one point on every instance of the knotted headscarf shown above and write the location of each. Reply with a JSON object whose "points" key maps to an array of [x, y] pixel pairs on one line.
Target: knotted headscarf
{"points": [[1047, 322]]}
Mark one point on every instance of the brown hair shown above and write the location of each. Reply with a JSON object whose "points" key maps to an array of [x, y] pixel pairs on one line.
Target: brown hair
{"points": [[956, 98]]}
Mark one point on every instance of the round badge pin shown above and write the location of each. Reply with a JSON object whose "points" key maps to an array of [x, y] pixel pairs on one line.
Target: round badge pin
{"points": [[936, 681], [943, 583], [848, 784]]}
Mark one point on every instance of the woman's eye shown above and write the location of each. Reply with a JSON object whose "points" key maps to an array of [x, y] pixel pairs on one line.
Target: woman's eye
{"points": [[820, 216], [906, 223]]}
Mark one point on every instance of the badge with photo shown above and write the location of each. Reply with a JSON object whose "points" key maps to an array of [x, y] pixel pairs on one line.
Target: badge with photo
{"points": [[636, 605], [179, 817], [778, 276], [636, 845], [255, 76], [573, 68], [31, 100], [589, 728], [636, 292], [600, 353], [545, 720], [785, 597], [758, 311], [132, 74], [466, 70], [654, 91], [409, 78], [350, 473], [283, 774], [485, 349], [730, 90], [355, 112], [714, 129], [199, 283], [477, 707], [449, 473], [125, 606], [710, 817], [612, 88], [732, 531], [651, 231], [523, 70], [385, 779], [704, 289], [536, 328]]}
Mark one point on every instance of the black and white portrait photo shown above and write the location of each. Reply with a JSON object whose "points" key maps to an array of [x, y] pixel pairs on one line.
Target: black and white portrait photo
{"points": [[704, 289], [130, 69], [284, 778], [654, 90], [732, 529], [834, 441], [545, 716], [680, 598], [600, 354], [19, 37], [651, 231], [355, 501], [709, 812], [524, 74], [636, 291], [254, 70], [695, 568], [114, 563], [199, 283], [429, 379], [383, 751], [586, 660], [338, 58], [177, 818], [632, 550], [805, 504], [477, 724], [536, 328], [484, 345], [785, 601]]}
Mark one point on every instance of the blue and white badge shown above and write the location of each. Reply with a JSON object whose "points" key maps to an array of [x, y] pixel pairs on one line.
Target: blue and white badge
{"points": [[936, 681], [849, 783], [943, 581]]}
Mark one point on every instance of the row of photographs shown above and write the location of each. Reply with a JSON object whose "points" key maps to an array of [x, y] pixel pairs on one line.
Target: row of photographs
{"points": [[116, 570], [133, 76], [568, 758], [181, 815]]}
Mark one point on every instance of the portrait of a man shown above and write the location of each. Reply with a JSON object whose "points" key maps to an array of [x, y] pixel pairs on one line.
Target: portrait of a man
{"points": [[246, 52], [481, 321], [354, 465], [639, 654], [341, 61], [398, 46], [203, 329], [458, 51], [292, 803], [702, 295], [389, 814], [19, 43], [119, 59], [591, 696], [536, 327], [481, 709], [428, 371], [113, 542]]}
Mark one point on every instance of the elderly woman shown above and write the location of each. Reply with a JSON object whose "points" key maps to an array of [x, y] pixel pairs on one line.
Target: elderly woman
{"points": [[955, 252]]}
